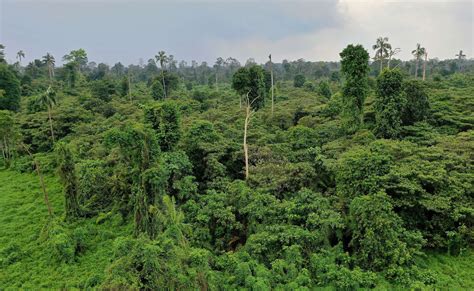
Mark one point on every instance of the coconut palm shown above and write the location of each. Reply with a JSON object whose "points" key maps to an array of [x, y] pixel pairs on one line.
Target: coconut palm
{"points": [[418, 53], [20, 55], [382, 48], [48, 59], [48, 99], [163, 59]]}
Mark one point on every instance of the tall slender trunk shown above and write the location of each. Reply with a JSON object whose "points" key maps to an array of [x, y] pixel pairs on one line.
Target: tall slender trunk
{"points": [[424, 66], [50, 123], [388, 62], [50, 74], [129, 88], [163, 79], [217, 84], [271, 75], [416, 68], [381, 63], [246, 152]]}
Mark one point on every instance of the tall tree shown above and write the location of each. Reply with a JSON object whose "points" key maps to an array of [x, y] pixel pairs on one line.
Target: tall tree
{"points": [[20, 55], [48, 99], [163, 59], [271, 74], [424, 65], [249, 81], [382, 49], [77, 57], [355, 68], [49, 60], [418, 53], [219, 63], [389, 103]]}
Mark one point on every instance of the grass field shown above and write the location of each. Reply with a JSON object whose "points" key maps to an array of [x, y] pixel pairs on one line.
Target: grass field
{"points": [[27, 260]]}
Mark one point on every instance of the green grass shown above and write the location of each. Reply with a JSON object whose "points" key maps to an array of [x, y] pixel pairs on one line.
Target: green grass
{"points": [[26, 261]]}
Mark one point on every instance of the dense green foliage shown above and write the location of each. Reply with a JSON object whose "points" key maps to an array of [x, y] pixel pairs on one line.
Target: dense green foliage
{"points": [[359, 183], [355, 68]]}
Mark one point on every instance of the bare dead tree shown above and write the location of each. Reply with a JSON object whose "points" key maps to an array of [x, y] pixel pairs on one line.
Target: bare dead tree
{"points": [[248, 115]]}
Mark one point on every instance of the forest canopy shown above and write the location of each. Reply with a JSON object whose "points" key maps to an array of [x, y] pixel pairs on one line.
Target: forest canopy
{"points": [[289, 176]]}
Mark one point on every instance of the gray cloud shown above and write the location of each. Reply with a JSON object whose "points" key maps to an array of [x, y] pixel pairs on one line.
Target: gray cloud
{"points": [[124, 31]]}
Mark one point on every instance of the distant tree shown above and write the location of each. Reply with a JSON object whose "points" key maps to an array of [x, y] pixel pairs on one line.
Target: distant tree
{"points": [[391, 53], [460, 57], [271, 76], [418, 53], [49, 61], [424, 65], [67, 174], [389, 103], [48, 99], [10, 84], [218, 65], [417, 106], [382, 49], [299, 81], [20, 55], [162, 59], [2, 53], [77, 57], [355, 68]]}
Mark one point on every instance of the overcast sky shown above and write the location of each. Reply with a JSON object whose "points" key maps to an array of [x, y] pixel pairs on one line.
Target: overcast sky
{"points": [[119, 30]]}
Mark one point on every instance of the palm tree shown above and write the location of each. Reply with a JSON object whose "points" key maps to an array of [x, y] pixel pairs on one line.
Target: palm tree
{"points": [[382, 48], [48, 59], [163, 59], [391, 53], [418, 53], [48, 99], [20, 55]]}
